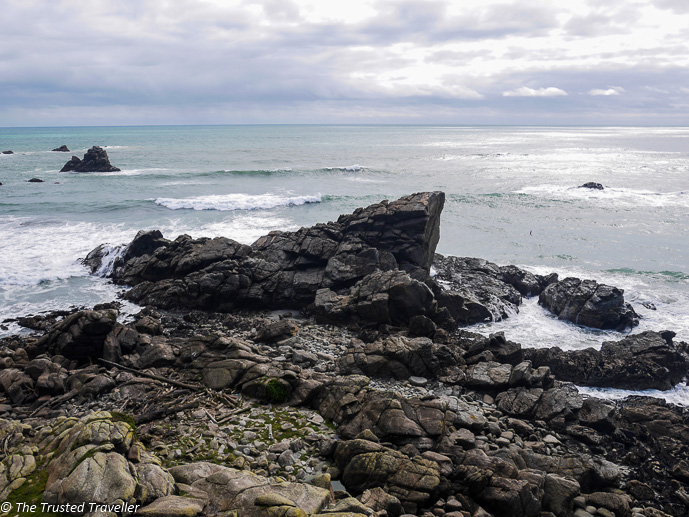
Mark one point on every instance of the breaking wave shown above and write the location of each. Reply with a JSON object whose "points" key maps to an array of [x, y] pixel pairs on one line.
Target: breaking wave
{"points": [[230, 202]]}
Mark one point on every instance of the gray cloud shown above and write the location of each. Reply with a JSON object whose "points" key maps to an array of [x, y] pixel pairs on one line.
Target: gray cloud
{"points": [[188, 61]]}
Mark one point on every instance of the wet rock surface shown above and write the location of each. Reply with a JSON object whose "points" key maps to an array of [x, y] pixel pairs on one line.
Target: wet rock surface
{"points": [[588, 303], [260, 414]]}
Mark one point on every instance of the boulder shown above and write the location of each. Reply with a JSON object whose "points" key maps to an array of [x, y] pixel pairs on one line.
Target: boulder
{"points": [[230, 490], [62, 149], [366, 465], [8, 152], [592, 185], [80, 336], [95, 160], [172, 506], [396, 357], [35, 180], [588, 303], [476, 290]]}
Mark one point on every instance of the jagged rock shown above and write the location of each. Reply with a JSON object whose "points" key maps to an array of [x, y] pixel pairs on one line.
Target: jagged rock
{"points": [[80, 336], [559, 494], [641, 361], [95, 160], [62, 149], [286, 269], [367, 465], [495, 347], [588, 303], [381, 297], [378, 499], [475, 290], [540, 404], [18, 386], [592, 185], [395, 357]]}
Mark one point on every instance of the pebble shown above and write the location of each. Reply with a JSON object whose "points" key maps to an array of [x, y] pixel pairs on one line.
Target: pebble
{"points": [[418, 381]]}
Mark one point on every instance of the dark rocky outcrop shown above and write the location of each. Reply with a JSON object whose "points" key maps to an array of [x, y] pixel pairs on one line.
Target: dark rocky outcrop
{"points": [[8, 152], [35, 180], [95, 160], [372, 264], [62, 149], [475, 290], [588, 303], [648, 360], [592, 185], [253, 415]]}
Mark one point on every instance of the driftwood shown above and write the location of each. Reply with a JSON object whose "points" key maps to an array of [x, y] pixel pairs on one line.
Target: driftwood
{"points": [[154, 377], [56, 401], [162, 413]]}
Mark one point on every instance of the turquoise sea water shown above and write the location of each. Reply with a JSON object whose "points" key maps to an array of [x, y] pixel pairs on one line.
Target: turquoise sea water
{"points": [[512, 197]]}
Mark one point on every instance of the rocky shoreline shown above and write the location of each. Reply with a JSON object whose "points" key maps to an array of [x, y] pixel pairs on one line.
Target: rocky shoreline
{"points": [[324, 372]]}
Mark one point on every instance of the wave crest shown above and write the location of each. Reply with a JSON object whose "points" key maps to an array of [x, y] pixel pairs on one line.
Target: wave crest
{"points": [[230, 202]]}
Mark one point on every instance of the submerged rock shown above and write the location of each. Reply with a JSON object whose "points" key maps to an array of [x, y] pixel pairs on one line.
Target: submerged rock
{"points": [[95, 160], [35, 180], [592, 185], [8, 152]]}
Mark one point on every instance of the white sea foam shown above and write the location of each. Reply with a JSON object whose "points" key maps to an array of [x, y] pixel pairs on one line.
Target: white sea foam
{"points": [[678, 395], [618, 196], [35, 250], [357, 179], [230, 202], [348, 168], [536, 327], [245, 229], [109, 257], [129, 172]]}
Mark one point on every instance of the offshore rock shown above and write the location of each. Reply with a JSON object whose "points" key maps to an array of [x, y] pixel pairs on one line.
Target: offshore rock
{"points": [[95, 160], [287, 269], [592, 185], [642, 361], [588, 303], [62, 149]]}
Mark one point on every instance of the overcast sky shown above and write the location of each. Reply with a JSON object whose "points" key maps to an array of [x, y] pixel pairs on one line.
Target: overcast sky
{"points": [[119, 62]]}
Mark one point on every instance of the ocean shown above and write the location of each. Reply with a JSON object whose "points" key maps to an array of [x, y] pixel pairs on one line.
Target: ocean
{"points": [[512, 198]]}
